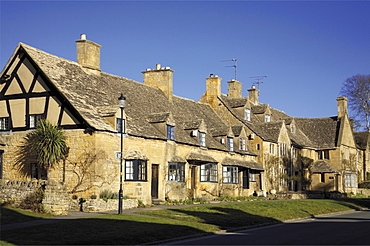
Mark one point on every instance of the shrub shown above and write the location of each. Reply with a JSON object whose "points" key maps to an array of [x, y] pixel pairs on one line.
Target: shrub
{"points": [[34, 202], [365, 185], [107, 194]]}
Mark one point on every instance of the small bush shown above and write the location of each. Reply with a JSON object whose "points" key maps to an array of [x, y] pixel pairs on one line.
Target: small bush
{"points": [[364, 185], [107, 194], [33, 202]]}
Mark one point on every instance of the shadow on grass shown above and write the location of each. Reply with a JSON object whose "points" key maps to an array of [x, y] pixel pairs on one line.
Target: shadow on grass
{"points": [[9, 216], [226, 218], [355, 203]]}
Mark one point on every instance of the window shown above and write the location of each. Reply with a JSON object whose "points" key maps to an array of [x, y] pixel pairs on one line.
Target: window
{"points": [[230, 175], [38, 172], [202, 139], [4, 124], [283, 148], [292, 128], [272, 149], [243, 144], [34, 119], [267, 118], [230, 144], [322, 177], [176, 171], [208, 172], [247, 115], [170, 132], [323, 154], [351, 180], [135, 170], [252, 176], [121, 126]]}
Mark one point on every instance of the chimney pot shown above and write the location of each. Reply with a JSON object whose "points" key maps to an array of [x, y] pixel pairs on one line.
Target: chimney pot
{"points": [[83, 36], [157, 66]]}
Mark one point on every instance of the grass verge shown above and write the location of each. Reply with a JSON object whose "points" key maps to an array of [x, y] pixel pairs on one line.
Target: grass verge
{"points": [[172, 223]]}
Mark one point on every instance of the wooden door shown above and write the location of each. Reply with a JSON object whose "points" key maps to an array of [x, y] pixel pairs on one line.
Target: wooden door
{"points": [[155, 168]]}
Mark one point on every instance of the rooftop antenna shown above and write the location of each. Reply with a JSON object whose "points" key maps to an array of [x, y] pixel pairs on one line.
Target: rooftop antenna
{"points": [[234, 66], [258, 80]]}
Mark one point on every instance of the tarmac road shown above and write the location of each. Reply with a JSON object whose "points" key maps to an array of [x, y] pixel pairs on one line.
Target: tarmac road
{"points": [[346, 228]]}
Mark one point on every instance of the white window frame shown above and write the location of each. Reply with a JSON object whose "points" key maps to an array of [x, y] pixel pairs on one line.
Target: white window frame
{"points": [[34, 119], [247, 114], [176, 171], [230, 174], [230, 143], [208, 172], [4, 123], [135, 170], [202, 139], [243, 144]]}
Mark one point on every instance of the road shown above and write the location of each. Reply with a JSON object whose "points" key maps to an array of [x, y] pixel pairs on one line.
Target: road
{"points": [[348, 228]]}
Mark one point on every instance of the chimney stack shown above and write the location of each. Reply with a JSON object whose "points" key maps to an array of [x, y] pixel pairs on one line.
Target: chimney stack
{"points": [[234, 89], [160, 77], [88, 54], [213, 89], [342, 106], [253, 95]]}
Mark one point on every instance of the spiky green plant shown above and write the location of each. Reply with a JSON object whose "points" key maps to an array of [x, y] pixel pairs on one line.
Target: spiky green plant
{"points": [[48, 144]]}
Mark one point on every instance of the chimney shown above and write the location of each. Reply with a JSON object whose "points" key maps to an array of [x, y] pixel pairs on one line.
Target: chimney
{"points": [[213, 89], [160, 77], [234, 89], [88, 54], [253, 95], [342, 106]]}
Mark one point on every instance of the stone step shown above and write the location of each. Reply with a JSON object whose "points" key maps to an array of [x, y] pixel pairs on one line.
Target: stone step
{"points": [[158, 202]]}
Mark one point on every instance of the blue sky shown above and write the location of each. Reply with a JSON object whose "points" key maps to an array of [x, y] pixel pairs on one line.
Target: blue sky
{"points": [[306, 48]]}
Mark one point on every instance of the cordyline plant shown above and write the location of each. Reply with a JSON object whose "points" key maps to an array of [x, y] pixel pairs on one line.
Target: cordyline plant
{"points": [[46, 144]]}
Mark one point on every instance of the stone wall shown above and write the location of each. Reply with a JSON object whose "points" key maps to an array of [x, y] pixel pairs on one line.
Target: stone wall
{"points": [[56, 200], [100, 205]]}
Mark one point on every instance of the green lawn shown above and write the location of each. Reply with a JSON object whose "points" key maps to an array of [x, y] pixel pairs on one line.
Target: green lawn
{"points": [[172, 223]]}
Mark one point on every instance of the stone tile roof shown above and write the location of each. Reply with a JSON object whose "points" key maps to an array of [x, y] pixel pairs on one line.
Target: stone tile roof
{"points": [[240, 163], [322, 133], [93, 97], [322, 167]]}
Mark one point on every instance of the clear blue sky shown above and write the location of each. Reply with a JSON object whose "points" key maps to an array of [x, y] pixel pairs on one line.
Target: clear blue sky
{"points": [[307, 49]]}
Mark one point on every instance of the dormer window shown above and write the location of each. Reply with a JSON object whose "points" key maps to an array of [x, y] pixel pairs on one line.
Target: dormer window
{"points": [[247, 114], [202, 139], [292, 128], [230, 143], [34, 119], [267, 118], [170, 132], [323, 154], [120, 125], [243, 144]]}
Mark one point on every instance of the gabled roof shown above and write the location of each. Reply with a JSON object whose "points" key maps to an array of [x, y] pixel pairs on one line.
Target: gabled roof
{"points": [[92, 95], [322, 167], [322, 132]]}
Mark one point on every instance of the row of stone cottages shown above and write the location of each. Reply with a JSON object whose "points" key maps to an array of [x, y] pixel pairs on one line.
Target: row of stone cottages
{"points": [[173, 148]]}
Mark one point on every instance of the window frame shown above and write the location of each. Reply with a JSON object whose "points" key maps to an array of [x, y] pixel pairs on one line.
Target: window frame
{"points": [[38, 172], [230, 175], [121, 125], [170, 132], [176, 171], [33, 119], [247, 114], [4, 123], [202, 139], [209, 172], [138, 170], [230, 143], [243, 144]]}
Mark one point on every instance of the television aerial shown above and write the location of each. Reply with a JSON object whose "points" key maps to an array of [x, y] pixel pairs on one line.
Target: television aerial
{"points": [[258, 80], [234, 66]]}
